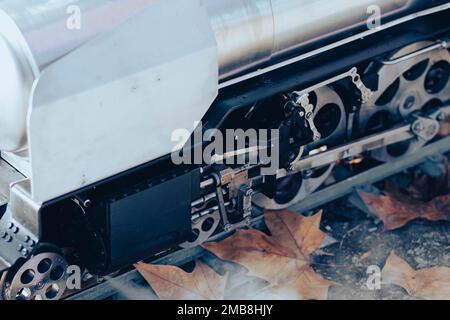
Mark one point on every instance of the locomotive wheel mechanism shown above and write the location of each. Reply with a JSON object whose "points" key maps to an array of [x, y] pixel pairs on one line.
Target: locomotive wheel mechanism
{"points": [[42, 277]]}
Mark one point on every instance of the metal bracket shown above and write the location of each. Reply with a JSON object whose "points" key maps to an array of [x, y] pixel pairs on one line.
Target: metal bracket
{"points": [[203, 235], [245, 201], [308, 113], [366, 93], [425, 128], [8, 175], [302, 99]]}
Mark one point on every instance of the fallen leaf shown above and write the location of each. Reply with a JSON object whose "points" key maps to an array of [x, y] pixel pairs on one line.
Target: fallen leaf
{"points": [[282, 259], [426, 187], [173, 283], [445, 128], [432, 283], [364, 256], [396, 209]]}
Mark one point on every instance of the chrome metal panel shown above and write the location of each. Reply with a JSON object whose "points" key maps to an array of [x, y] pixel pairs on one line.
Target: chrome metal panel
{"points": [[122, 109], [301, 22], [8, 175], [43, 23], [244, 30], [35, 33]]}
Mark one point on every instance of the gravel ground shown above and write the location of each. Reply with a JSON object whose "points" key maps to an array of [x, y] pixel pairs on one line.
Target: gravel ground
{"points": [[361, 242]]}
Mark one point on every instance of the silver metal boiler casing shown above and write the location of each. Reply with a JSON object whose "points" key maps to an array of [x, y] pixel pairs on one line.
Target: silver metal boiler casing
{"points": [[32, 35], [252, 32], [248, 34]]}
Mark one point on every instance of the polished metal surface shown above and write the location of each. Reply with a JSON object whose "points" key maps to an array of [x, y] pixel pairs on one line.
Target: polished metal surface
{"points": [[443, 6], [45, 24], [35, 33], [8, 175], [249, 34], [42, 277]]}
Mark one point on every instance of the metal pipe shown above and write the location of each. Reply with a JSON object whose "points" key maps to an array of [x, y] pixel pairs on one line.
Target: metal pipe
{"points": [[252, 32], [248, 32]]}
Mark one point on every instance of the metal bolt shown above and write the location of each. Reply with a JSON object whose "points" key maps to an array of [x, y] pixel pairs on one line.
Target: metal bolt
{"points": [[4, 234], [409, 102], [10, 225], [308, 173], [24, 252], [8, 238], [418, 126], [87, 203], [228, 228], [441, 116], [40, 285], [246, 190], [20, 248]]}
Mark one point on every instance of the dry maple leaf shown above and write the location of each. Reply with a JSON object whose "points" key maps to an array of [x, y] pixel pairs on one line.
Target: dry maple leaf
{"points": [[282, 258], [364, 256], [445, 128], [173, 283], [426, 187], [432, 283], [396, 209]]}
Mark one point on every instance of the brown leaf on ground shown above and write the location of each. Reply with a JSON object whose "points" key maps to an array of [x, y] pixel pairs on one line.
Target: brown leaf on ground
{"points": [[173, 283], [364, 256], [282, 258], [396, 209], [445, 128], [432, 283], [425, 187]]}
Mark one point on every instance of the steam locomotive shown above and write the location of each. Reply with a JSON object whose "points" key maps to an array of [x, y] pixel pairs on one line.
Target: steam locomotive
{"points": [[93, 92]]}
